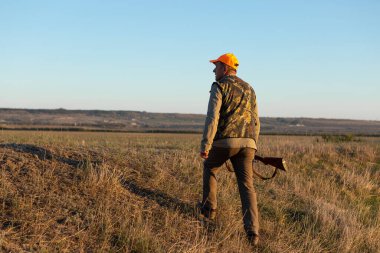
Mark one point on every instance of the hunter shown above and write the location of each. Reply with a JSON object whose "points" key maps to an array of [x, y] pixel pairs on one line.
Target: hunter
{"points": [[231, 132]]}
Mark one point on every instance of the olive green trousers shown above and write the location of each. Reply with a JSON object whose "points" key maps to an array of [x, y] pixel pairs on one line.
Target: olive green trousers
{"points": [[241, 159]]}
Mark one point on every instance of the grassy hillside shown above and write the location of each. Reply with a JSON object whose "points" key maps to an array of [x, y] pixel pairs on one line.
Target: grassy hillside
{"points": [[115, 192]]}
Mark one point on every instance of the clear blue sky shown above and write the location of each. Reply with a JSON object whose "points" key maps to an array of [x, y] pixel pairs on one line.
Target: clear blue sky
{"points": [[303, 58]]}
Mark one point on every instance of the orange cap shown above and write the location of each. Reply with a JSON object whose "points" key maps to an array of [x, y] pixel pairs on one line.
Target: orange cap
{"points": [[228, 59]]}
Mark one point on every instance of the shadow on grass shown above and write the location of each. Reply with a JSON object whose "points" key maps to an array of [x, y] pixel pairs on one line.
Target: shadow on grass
{"points": [[163, 199], [41, 153]]}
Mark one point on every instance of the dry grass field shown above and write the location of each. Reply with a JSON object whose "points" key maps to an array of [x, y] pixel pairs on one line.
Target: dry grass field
{"points": [[114, 192]]}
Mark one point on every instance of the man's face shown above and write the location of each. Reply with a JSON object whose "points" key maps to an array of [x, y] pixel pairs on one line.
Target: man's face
{"points": [[219, 70]]}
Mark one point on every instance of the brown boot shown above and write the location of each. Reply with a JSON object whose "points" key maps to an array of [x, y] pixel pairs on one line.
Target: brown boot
{"points": [[253, 238], [206, 212]]}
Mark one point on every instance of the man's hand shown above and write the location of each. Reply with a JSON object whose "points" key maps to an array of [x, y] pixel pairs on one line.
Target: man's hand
{"points": [[204, 155]]}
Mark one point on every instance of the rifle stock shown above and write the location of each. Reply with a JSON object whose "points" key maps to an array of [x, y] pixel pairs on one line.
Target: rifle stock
{"points": [[276, 162]]}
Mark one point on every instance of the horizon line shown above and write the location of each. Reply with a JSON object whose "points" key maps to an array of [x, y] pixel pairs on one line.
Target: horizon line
{"points": [[143, 111]]}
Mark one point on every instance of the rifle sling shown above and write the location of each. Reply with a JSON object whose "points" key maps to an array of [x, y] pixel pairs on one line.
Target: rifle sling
{"points": [[254, 172], [262, 177]]}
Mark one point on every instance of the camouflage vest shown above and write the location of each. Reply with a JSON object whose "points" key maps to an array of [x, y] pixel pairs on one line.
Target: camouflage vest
{"points": [[237, 117]]}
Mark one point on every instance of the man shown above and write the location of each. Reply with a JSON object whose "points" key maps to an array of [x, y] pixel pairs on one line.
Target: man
{"points": [[231, 132]]}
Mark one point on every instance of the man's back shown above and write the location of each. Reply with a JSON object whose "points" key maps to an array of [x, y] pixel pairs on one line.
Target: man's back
{"points": [[238, 112]]}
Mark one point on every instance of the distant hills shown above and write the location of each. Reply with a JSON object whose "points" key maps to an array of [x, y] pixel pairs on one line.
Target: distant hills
{"points": [[136, 121]]}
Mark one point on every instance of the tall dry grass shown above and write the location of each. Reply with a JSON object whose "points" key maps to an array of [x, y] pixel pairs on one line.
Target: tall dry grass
{"points": [[108, 192]]}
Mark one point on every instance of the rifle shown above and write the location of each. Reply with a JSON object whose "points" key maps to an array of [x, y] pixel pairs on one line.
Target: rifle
{"points": [[277, 162]]}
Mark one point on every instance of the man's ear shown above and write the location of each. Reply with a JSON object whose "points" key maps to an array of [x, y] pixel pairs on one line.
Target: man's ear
{"points": [[225, 70]]}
